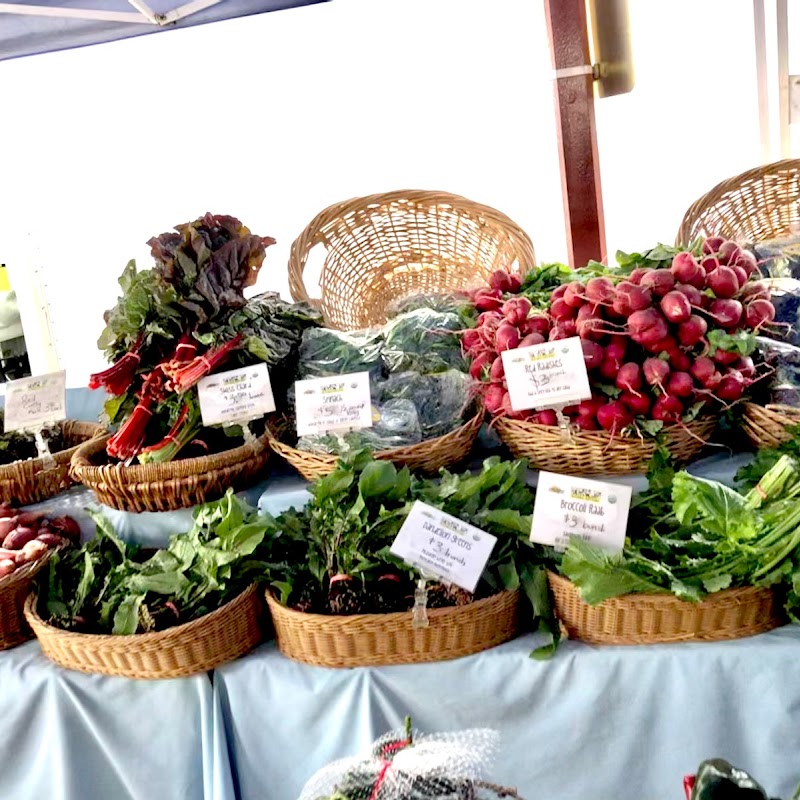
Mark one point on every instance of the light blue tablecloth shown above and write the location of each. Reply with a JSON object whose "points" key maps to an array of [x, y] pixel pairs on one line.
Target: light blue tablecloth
{"points": [[65, 735], [594, 722]]}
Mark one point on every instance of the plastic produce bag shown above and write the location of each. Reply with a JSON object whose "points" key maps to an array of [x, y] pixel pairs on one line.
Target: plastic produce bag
{"points": [[436, 301], [778, 258], [424, 341], [783, 385], [441, 399], [325, 352]]}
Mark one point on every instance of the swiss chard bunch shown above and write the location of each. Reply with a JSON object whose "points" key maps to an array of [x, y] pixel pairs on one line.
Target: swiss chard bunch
{"points": [[108, 586]]}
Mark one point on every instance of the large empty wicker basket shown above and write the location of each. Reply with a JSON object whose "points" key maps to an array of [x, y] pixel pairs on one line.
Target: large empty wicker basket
{"points": [[757, 205], [389, 246]]}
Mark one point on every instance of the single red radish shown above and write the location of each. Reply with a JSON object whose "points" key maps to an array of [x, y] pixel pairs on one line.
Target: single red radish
{"points": [[478, 364], [692, 293], [676, 306], [680, 361], [637, 274], [546, 417], [732, 386], [516, 310], [703, 369], [609, 368], [684, 267], [558, 292], [589, 407], [500, 280], [659, 281], [592, 354], [724, 357], [746, 367], [712, 244], [629, 377], [692, 331], [755, 290], [723, 282], [515, 282], [680, 384], [486, 300], [559, 310], [638, 403], [493, 398], [647, 326], [600, 291], [665, 345], [710, 263], [758, 313], [530, 339], [574, 296], [507, 337], [667, 408], [726, 312], [586, 423], [617, 347], [729, 252], [614, 416], [497, 370], [747, 261], [535, 324], [741, 276], [655, 371]]}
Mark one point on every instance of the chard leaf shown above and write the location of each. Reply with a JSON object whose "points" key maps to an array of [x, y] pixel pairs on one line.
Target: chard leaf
{"points": [[714, 507], [284, 588], [126, 617], [246, 538], [258, 348]]}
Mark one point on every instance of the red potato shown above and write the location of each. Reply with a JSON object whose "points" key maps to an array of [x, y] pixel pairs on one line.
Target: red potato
{"points": [[758, 313], [656, 371], [19, 537], [31, 551], [66, 527], [675, 306], [614, 416], [629, 377], [680, 384], [638, 403], [692, 331], [7, 510], [50, 539], [7, 525], [7, 566], [723, 282], [667, 408]]}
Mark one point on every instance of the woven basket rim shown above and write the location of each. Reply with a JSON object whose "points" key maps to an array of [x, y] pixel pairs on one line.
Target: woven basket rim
{"points": [[634, 599], [115, 641], [345, 621], [27, 571], [83, 468], [89, 431], [277, 441], [776, 409]]}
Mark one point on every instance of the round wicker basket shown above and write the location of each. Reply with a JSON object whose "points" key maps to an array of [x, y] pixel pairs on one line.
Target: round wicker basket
{"points": [[652, 618], [389, 246], [367, 640], [34, 480], [754, 206], [427, 457], [766, 426], [175, 484], [196, 646], [598, 452], [14, 589]]}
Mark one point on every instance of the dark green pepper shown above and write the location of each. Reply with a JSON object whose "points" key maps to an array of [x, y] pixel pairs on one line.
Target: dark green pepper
{"points": [[716, 779]]}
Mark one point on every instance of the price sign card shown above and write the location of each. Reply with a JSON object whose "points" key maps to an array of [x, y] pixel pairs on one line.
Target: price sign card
{"points": [[593, 510], [340, 403], [237, 395], [442, 545], [36, 401], [546, 375]]}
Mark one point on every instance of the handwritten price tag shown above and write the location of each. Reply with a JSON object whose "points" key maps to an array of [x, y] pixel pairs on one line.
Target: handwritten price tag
{"points": [[36, 401], [546, 375], [566, 506], [237, 395], [444, 546], [340, 403]]}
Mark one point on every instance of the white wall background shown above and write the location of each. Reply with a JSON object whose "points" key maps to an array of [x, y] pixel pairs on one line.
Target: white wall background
{"points": [[272, 118]]}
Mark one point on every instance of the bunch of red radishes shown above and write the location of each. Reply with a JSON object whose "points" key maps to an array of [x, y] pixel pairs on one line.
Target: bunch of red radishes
{"points": [[645, 336], [27, 535]]}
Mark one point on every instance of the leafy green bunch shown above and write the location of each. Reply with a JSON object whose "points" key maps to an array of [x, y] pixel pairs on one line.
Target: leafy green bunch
{"points": [[108, 586]]}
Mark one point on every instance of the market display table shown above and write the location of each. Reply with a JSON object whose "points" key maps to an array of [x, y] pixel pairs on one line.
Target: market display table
{"points": [[593, 722], [70, 736]]}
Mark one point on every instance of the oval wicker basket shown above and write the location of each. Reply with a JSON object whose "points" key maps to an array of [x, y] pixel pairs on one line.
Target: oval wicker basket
{"points": [[766, 426], [14, 589], [597, 452], [427, 457], [652, 618], [389, 246], [196, 646], [754, 206], [33, 480], [175, 484], [368, 640]]}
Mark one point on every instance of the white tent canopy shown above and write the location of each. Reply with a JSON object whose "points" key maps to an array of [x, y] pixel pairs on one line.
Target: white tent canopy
{"points": [[28, 28]]}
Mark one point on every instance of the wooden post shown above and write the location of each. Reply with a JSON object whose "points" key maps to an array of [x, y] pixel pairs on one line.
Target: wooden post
{"points": [[577, 134]]}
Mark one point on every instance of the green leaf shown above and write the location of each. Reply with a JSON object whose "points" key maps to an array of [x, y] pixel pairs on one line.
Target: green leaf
{"points": [[245, 539], [509, 575], [717, 583], [258, 348], [332, 485], [650, 426], [693, 411], [160, 583], [126, 617], [508, 518], [599, 575], [378, 478], [717, 509], [742, 342], [608, 389], [85, 584], [284, 588]]}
